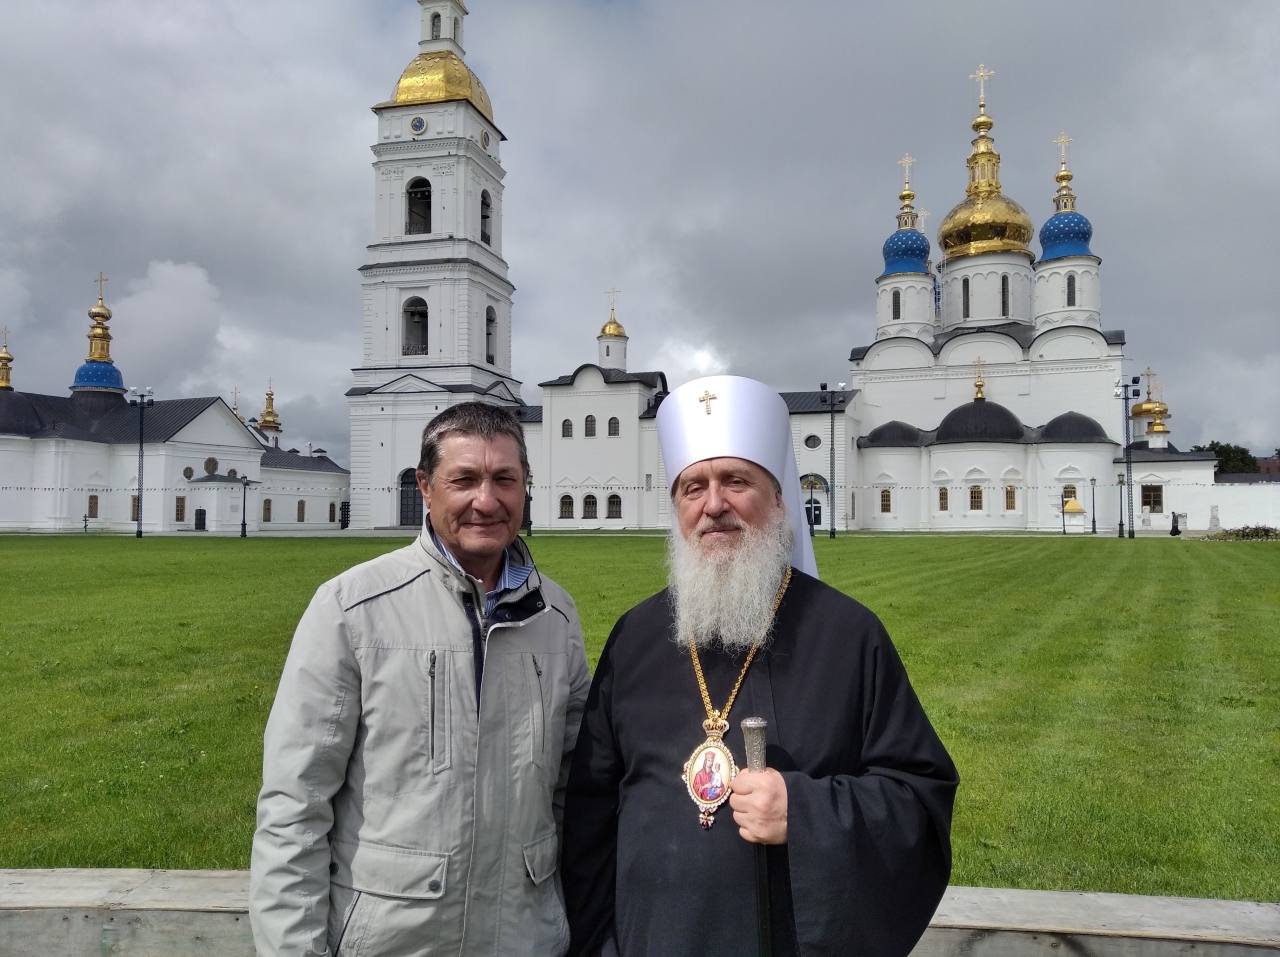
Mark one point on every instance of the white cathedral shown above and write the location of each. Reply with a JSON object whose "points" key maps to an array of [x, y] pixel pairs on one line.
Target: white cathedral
{"points": [[990, 398]]}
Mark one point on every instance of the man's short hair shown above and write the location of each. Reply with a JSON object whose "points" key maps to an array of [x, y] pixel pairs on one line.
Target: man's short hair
{"points": [[470, 418]]}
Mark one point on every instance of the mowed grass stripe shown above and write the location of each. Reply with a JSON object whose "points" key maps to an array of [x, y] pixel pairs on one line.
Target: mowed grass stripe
{"points": [[1111, 704]]}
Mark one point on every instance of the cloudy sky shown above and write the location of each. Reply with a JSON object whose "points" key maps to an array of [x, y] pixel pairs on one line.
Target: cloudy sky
{"points": [[729, 164]]}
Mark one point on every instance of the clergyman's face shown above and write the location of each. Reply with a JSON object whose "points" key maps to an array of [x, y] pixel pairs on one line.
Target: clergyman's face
{"points": [[476, 497], [717, 500]]}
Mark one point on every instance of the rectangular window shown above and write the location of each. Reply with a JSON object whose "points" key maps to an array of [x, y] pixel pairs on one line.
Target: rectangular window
{"points": [[886, 501], [1010, 498], [648, 482], [1068, 491], [944, 500], [1153, 498], [853, 506], [180, 509], [975, 498], [133, 508], [302, 510], [93, 506], [266, 509], [333, 511]]}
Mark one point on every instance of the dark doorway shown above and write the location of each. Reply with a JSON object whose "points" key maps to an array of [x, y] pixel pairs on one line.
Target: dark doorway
{"points": [[200, 520], [813, 512], [410, 499]]}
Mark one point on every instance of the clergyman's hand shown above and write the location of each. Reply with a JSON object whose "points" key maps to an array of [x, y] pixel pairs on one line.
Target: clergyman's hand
{"points": [[759, 802]]}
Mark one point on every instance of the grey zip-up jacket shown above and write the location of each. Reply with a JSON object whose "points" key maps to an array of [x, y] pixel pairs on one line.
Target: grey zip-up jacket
{"points": [[397, 814]]}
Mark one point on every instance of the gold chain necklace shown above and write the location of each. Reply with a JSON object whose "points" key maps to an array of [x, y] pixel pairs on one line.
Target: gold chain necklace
{"points": [[710, 768]]}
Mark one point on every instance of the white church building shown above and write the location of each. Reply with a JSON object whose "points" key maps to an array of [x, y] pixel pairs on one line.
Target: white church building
{"points": [[990, 398]]}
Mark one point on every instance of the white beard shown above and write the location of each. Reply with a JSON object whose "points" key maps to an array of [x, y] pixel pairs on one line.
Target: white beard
{"points": [[725, 599]]}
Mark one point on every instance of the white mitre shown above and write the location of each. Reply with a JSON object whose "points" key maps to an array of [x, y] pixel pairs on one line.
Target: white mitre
{"points": [[729, 416]]}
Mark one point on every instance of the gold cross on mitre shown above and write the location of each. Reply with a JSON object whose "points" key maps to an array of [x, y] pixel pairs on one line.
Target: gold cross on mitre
{"points": [[906, 163], [982, 76], [1061, 142], [100, 280], [978, 383], [705, 399]]}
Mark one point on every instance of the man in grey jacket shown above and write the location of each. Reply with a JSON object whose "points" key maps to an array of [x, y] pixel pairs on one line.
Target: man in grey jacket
{"points": [[416, 756]]}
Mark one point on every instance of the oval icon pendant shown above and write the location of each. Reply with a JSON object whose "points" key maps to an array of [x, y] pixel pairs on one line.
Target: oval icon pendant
{"points": [[707, 774]]}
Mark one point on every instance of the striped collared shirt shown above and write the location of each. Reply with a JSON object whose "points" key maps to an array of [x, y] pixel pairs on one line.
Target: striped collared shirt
{"points": [[511, 577]]}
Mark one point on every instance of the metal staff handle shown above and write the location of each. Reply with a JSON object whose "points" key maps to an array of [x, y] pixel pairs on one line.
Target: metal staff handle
{"points": [[754, 734]]}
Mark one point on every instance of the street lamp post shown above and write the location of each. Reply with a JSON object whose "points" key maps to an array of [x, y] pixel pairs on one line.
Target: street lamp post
{"points": [[831, 400], [1120, 489], [142, 400], [1062, 508], [1122, 392], [244, 505], [1093, 505]]}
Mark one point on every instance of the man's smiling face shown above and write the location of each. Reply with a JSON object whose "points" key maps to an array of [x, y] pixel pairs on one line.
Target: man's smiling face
{"points": [[717, 500]]}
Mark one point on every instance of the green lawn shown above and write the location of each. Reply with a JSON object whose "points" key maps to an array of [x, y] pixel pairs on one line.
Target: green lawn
{"points": [[1112, 704]]}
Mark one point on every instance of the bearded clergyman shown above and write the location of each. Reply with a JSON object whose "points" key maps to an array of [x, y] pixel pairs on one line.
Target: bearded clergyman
{"points": [[854, 806]]}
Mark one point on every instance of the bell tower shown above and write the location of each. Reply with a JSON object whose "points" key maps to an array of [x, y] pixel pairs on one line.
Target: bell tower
{"points": [[437, 301]]}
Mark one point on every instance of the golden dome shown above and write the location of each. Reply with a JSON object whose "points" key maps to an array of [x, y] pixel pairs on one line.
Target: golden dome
{"points": [[1149, 409], [440, 76], [987, 221], [613, 327]]}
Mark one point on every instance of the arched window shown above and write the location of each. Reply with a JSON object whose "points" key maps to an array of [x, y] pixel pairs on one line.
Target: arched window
{"points": [[886, 501], [615, 427], [897, 305], [566, 506], [486, 214], [589, 506], [1010, 498], [944, 499], [975, 498], [1071, 290], [266, 509], [566, 429], [964, 298], [333, 511], [410, 500], [415, 324], [589, 427], [615, 507], [417, 207], [490, 334], [302, 510], [1004, 295], [435, 26]]}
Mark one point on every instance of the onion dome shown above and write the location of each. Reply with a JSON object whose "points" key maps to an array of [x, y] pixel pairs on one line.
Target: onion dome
{"points": [[1073, 427], [907, 250], [987, 221], [268, 421], [99, 372], [1066, 233], [1150, 407], [892, 435], [439, 76], [980, 421], [613, 327]]}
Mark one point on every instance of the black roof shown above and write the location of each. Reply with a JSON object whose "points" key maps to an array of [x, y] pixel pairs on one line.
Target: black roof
{"points": [[276, 459], [96, 417], [1021, 332], [799, 403], [981, 421], [530, 413], [1073, 427], [1246, 478], [655, 380], [1142, 452], [894, 435]]}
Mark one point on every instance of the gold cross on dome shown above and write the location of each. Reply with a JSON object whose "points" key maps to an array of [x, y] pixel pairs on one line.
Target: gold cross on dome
{"points": [[982, 76], [100, 280], [6, 337], [1061, 142], [978, 384], [612, 293], [906, 163], [1149, 375], [705, 399]]}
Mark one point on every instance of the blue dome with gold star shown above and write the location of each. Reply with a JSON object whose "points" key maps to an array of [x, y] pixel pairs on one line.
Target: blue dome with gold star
{"points": [[1065, 234], [907, 250], [99, 375]]}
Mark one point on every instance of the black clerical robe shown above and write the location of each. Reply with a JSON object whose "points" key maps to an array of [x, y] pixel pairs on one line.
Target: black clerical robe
{"points": [[869, 793]]}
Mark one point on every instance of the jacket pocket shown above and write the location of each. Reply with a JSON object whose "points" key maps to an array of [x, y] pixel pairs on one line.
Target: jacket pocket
{"points": [[439, 711], [541, 857], [537, 713], [391, 871]]}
